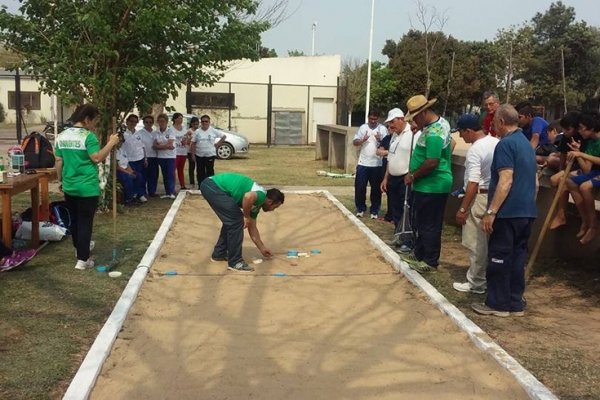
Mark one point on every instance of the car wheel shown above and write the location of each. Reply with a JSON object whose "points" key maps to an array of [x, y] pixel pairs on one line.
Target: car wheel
{"points": [[225, 151]]}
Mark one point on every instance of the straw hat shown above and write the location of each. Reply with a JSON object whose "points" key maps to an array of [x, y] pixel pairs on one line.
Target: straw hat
{"points": [[416, 104]]}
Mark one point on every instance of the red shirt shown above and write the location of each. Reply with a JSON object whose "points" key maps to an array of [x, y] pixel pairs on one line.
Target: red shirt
{"points": [[488, 127]]}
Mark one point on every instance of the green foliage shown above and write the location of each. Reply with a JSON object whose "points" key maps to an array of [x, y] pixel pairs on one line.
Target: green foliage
{"points": [[296, 53], [134, 53], [525, 58], [265, 52], [2, 113]]}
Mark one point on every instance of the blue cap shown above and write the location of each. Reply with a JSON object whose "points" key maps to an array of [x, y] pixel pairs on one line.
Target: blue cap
{"points": [[468, 121]]}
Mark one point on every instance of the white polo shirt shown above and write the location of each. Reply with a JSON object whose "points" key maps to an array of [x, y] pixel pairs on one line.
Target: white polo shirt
{"points": [[368, 151], [478, 161], [134, 147], [399, 151], [148, 141]]}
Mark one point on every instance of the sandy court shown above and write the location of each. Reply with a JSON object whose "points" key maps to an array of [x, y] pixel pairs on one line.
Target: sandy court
{"points": [[340, 325]]}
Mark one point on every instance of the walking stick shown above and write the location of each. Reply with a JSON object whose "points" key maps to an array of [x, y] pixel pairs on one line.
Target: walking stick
{"points": [[113, 166], [549, 215]]}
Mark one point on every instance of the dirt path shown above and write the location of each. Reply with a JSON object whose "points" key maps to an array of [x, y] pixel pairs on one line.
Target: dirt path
{"points": [[341, 325]]}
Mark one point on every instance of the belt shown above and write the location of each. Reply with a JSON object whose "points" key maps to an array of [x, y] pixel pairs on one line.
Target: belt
{"points": [[482, 191]]}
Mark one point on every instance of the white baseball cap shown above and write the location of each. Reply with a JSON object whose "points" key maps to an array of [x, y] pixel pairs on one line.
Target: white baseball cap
{"points": [[394, 113]]}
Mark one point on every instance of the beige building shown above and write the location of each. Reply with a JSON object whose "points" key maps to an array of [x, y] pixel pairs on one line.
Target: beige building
{"points": [[286, 97], [36, 106], [302, 94]]}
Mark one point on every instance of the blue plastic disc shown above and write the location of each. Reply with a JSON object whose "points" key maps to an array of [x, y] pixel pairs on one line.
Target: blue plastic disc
{"points": [[315, 251], [279, 274], [101, 268], [170, 273]]}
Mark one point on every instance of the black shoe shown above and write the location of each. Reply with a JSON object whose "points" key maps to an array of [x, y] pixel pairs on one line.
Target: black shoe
{"points": [[241, 266]]}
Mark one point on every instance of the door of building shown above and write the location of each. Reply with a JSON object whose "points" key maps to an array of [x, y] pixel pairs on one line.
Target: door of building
{"points": [[323, 113]]}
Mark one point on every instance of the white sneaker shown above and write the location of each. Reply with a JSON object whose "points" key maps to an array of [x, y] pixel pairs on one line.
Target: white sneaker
{"points": [[373, 216], [360, 214], [164, 196], [143, 199], [466, 287], [172, 196], [83, 265]]}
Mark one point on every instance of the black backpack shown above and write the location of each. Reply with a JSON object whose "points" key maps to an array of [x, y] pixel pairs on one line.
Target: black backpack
{"points": [[38, 151]]}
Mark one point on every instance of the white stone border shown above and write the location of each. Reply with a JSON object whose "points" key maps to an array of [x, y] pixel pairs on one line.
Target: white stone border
{"points": [[85, 378], [534, 388]]}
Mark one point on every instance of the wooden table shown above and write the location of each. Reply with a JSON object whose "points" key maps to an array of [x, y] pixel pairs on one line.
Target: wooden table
{"points": [[11, 187], [46, 175]]}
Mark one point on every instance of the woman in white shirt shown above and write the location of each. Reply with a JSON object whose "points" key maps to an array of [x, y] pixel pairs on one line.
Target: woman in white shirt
{"points": [[151, 166], [164, 144], [205, 148], [179, 132]]}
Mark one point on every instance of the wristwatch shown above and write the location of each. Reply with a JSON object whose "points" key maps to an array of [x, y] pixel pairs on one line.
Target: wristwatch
{"points": [[490, 211], [462, 210]]}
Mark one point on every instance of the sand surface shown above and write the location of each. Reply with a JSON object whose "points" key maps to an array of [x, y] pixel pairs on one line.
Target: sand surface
{"points": [[340, 325]]}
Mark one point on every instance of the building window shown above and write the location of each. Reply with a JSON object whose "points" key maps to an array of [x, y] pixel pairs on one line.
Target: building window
{"points": [[29, 100], [212, 100]]}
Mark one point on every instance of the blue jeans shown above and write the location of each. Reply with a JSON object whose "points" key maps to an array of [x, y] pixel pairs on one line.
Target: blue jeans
{"points": [[167, 168], [140, 177], [428, 222], [151, 175], [128, 183], [396, 189], [231, 236], [507, 254], [372, 176]]}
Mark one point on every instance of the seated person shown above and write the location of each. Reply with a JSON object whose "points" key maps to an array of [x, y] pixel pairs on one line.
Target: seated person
{"points": [[535, 128], [544, 154], [582, 185], [569, 137], [125, 174]]}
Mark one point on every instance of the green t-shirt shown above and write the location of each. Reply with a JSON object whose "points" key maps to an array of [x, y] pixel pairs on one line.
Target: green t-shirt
{"points": [[79, 172], [434, 143], [593, 149], [236, 185]]}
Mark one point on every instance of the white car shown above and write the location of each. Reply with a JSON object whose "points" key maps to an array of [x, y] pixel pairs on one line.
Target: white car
{"points": [[234, 142]]}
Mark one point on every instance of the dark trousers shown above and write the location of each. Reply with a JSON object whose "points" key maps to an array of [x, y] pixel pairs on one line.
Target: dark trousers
{"points": [[396, 189], [167, 169], [191, 168], [507, 254], [428, 222], [373, 177], [128, 183], [151, 175], [205, 167], [140, 177], [231, 236], [82, 211]]}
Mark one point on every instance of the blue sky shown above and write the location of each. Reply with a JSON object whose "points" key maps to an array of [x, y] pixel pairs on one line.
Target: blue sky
{"points": [[343, 25]]}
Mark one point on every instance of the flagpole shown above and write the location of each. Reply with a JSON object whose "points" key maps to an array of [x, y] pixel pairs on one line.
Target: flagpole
{"points": [[368, 95]]}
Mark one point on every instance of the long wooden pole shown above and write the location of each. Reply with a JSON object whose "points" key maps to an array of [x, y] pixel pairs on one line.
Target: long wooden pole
{"points": [[564, 81], [549, 215]]}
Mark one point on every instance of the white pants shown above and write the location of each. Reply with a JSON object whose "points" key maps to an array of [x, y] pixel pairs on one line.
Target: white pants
{"points": [[476, 241]]}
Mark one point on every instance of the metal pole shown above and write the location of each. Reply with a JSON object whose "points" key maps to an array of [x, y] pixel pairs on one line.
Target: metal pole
{"points": [[269, 111], [314, 29], [308, 121], [18, 106], [368, 95], [229, 108]]}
